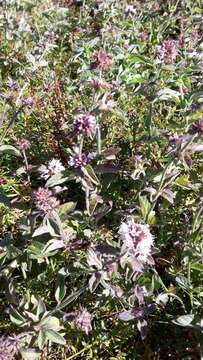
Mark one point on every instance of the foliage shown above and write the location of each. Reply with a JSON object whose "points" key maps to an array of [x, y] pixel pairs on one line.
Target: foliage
{"points": [[101, 179]]}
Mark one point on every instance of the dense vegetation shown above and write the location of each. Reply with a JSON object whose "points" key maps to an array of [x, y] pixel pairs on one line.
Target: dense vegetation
{"points": [[101, 198]]}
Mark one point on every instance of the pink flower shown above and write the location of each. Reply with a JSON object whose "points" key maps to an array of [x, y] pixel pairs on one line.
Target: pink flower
{"points": [[54, 167], [137, 240], [27, 102], [23, 144], [194, 35], [167, 52], [98, 84], [77, 160], [44, 201], [83, 320], [9, 347], [100, 60], [143, 36], [130, 10], [85, 124]]}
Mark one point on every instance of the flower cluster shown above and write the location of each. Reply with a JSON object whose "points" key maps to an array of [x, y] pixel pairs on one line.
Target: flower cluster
{"points": [[130, 10], [44, 201], [9, 347], [197, 126], [83, 320], [167, 52], [85, 124], [100, 60], [77, 159], [23, 144], [54, 167], [143, 36], [27, 102], [137, 239]]}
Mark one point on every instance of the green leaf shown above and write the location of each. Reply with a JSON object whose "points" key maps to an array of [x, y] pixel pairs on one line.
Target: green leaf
{"points": [[55, 337], [10, 150], [60, 285], [89, 172], [197, 266], [16, 317], [168, 94], [68, 300], [66, 208], [56, 12], [144, 206], [183, 182]]}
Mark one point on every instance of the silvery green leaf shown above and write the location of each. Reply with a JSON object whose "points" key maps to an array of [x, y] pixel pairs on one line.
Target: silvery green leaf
{"points": [[94, 281], [182, 281], [59, 178], [168, 94], [48, 322], [16, 317], [184, 320], [11, 150], [41, 231], [60, 285], [30, 354], [55, 337], [53, 245], [89, 172], [162, 299]]}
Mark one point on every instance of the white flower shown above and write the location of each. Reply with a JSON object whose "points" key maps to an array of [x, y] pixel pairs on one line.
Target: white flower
{"points": [[54, 167], [137, 239]]}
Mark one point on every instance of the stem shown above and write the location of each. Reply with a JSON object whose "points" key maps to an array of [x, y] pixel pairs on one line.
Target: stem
{"points": [[26, 166], [87, 347], [98, 140], [81, 145]]}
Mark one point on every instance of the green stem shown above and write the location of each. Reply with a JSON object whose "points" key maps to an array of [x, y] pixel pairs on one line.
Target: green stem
{"points": [[87, 347]]}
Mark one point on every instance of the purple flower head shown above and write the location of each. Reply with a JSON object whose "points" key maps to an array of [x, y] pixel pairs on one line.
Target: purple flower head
{"points": [[130, 10], [85, 124], [175, 139], [27, 102], [137, 160], [138, 6], [143, 36], [99, 84], [23, 144], [167, 52], [83, 320], [77, 160], [54, 167], [44, 201], [137, 240], [12, 84], [197, 126], [9, 347], [194, 35], [100, 60]]}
